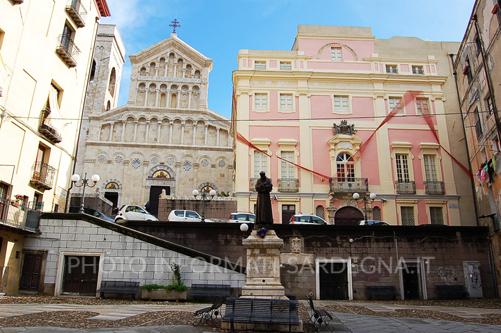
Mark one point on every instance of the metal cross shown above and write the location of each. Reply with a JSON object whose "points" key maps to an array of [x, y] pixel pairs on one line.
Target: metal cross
{"points": [[174, 24]]}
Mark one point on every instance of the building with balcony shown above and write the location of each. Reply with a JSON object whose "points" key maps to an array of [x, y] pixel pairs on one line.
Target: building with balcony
{"points": [[344, 114], [42, 88], [477, 69]]}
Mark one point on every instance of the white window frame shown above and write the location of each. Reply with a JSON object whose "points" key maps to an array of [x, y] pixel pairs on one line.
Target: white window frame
{"points": [[264, 159], [260, 65], [413, 214], [386, 66], [262, 108], [344, 109], [418, 111], [292, 104], [392, 98], [434, 171], [412, 69], [291, 169], [287, 67], [404, 169], [442, 207], [335, 55]]}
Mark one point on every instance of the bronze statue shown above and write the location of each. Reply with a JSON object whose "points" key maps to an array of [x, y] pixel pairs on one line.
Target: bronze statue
{"points": [[264, 215]]}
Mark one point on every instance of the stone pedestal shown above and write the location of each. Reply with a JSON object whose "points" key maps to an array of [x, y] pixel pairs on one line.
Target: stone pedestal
{"points": [[263, 266]]}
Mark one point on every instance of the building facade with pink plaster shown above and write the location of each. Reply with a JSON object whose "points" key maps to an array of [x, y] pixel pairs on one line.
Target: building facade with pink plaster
{"points": [[321, 106]]}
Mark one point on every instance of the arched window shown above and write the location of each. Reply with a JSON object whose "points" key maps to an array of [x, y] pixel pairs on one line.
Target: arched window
{"points": [[113, 82], [319, 211], [93, 70], [112, 186], [153, 69], [376, 213], [161, 174], [197, 74], [345, 168], [142, 71], [108, 106]]}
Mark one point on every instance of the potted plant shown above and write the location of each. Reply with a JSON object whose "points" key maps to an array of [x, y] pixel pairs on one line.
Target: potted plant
{"points": [[175, 291]]}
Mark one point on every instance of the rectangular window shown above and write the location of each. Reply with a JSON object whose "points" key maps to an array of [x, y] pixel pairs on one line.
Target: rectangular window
{"points": [[436, 216], [67, 37], [260, 65], [261, 102], [286, 102], [393, 102], [402, 168], [430, 170], [478, 124], [392, 69], [287, 169], [336, 54], [341, 103], [467, 70], [260, 163], [285, 65], [478, 44], [407, 215], [419, 70], [422, 106], [488, 104]]}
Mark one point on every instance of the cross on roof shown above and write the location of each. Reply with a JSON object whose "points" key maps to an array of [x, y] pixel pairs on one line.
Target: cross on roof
{"points": [[174, 24]]}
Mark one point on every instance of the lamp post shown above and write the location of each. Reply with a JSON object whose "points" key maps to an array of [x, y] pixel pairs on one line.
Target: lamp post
{"points": [[84, 182], [371, 196], [204, 197]]}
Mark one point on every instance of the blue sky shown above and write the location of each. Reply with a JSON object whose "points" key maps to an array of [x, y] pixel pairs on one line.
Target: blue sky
{"points": [[220, 28]]}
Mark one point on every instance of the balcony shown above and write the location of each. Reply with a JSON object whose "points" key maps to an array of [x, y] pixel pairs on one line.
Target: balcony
{"points": [[349, 185], [77, 12], [252, 184], [290, 185], [67, 50], [434, 187], [47, 129], [43, 176], [405, 187]]}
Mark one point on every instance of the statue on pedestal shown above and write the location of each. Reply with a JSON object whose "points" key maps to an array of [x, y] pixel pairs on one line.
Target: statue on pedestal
{"points": [[264, 214]]}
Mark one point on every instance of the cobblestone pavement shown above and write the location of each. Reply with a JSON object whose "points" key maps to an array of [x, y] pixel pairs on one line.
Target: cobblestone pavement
{"points": [[153, 329]]}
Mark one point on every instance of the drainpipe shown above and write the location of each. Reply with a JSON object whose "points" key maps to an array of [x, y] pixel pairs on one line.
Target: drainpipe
{"points": [[475, 204]]}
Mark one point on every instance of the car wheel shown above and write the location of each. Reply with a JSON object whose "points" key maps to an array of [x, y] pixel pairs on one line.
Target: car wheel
{"points": [[119, 221]]}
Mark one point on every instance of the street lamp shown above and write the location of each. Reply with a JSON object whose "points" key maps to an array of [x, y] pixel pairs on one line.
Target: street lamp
{"points": [[84, 182], [204, 196], [365, 198]]}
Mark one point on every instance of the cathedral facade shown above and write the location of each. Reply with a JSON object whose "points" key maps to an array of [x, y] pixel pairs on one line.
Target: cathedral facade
{"points": [[165, 139]]}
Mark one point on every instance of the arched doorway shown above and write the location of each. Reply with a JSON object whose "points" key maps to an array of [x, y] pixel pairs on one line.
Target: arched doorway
{"points": [[112, 192], [161, 178], [348, 216]]}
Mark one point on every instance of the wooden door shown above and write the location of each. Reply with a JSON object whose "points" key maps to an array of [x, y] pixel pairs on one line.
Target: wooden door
{"points": [[333, 280], [31, 272], [80, 275], [287, 212]]}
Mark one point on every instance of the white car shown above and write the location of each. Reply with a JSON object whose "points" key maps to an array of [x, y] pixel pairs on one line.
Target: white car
{"points": [[307, 219], [133, 213], [242, 217], [181, 215]]}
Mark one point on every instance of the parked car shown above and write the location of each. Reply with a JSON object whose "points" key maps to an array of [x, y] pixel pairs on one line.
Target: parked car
{"points": [[181, 215], [373, 222], [307, 219], [240, 217], [93, 212], [134, 213]]}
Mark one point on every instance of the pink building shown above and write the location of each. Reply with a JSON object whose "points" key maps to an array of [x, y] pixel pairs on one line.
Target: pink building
{"points": [[322, 105]]}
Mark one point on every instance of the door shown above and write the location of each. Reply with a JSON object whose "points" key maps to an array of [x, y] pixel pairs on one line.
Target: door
{"points": [[472, 279], [333, 278], [348, 216], [113, 197], [31, 272], [410, 277], [80, 275], [192, 216], [155, 192], [288, 211]]}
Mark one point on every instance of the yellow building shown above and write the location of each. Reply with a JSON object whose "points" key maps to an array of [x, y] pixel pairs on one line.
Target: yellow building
{"points": [[45, 61]]}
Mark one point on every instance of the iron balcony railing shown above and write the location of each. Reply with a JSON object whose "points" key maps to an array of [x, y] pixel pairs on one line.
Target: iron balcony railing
{"points": [[77, 12], [349, 185], [67, 50], [434, 187], [288, 185], [43, 176], [47, 129], [408, 187]]}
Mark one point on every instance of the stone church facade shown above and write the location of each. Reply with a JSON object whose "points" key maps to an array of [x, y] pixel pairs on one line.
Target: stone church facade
{"points": [[165, 137]]}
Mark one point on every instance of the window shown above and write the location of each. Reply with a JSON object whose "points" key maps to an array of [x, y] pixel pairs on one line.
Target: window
{"points": [[422, 106], [93, 71], [393, 102], [336, 54], [260, 65], [392, 69], [285, 65], [286, 102], [402, 168], [478, 44], [407, 215], [436, 216], [261, 102], [430, 170], [488, 104], [67, 37], [287, 169], [260, 163], [417, 70], [467, 70], [341, 104], [345, 168], [478, 124], [113, 82]]}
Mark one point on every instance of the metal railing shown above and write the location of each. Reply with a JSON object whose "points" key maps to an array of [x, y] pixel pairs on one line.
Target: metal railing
{"points": [[67, 50], [77, 12], [288, 185], [47, 129], [405, 187], [349, 185], [43, 176], [434, 187]]}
